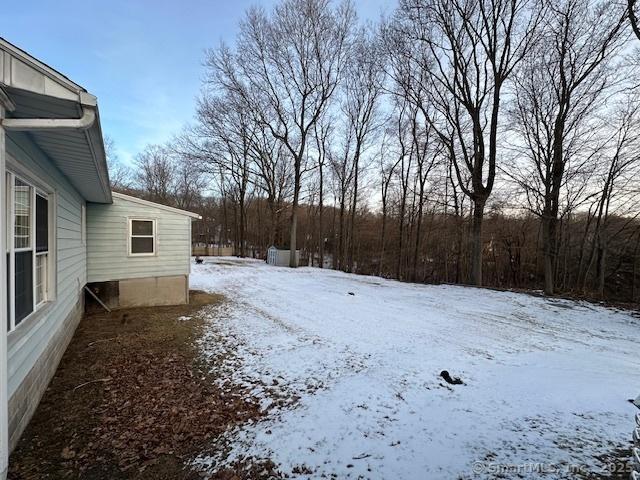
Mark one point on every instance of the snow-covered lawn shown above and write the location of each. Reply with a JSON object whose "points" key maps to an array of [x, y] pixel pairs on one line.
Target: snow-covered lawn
{"points": [[359, 358]]}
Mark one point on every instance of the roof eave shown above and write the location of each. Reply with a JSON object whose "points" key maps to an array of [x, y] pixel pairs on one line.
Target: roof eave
{"points": [[20, 72], [148, 203]]}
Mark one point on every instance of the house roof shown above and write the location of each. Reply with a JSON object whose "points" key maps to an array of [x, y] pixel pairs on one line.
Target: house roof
{"points": [[155, 205], [37, 91]]}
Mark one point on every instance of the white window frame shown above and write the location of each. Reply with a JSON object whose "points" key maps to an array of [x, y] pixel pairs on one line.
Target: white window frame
{"points": [[154, 223], [38, 187]]}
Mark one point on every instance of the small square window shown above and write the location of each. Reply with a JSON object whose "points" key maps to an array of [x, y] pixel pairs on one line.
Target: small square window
{"points": [[142, 237]]}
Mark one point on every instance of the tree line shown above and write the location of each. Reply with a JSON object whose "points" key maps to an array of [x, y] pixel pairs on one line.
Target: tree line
{"points": [[489, 142]]}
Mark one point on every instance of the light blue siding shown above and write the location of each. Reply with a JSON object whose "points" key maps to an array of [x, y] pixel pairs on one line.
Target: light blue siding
{"points": [[30, 339], [107, 242]]}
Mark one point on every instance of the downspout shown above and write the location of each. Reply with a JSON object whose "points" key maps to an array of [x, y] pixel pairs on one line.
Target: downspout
{"points": [[4, 396]]}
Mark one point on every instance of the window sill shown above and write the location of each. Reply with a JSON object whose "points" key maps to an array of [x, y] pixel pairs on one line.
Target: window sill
{"points": [[18, 334]]}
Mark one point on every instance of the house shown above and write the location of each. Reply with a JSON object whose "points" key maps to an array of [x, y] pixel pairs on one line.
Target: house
{"points": [[61, 227], [138, 252]]}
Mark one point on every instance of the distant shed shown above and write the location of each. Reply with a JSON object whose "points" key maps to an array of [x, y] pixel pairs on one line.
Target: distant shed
{"points": [[138, 252], [280, 258]]}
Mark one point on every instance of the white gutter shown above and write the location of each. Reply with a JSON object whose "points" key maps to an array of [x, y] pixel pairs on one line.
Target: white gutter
{"points": [[22, 124]]}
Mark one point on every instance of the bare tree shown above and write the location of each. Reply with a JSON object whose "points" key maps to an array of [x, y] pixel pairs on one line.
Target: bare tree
{"points": [[119, 174], [472, 48], [322, 132], [406, 156], [342, 170], [363, 88], [633, 17], [190, 183], [387, 171], [286, 66], [155, 173], [272, 177], [226, 145], [427, 153], [557, 90], [619, 164]]}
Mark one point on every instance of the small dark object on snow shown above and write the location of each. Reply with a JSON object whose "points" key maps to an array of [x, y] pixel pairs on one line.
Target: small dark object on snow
{"points": [[125, 319], [636, 402], [453, 381], [199, 260], [351, 293]]}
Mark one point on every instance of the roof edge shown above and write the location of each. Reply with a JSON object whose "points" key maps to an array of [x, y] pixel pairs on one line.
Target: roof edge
{"points": [[155, 205], [42, 67]]}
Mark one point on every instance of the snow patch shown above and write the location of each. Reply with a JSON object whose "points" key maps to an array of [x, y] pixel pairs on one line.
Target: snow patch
{"points": [[351, 383]]}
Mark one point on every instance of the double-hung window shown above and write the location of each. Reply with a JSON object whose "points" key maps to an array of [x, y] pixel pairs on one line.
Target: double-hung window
{"points": [[27, 249], [142, 237]]}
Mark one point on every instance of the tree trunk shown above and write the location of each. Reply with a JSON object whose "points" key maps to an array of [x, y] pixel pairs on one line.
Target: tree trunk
{"points": [[382, 236], [320, 226], [236, 230], [549, 227], [294, 222], [634, 281], [242, 226], [416, 249], [334, 259], [476, 242], [272, 223], [601, 268], [401, 241], [341, 229], [353, 214]]}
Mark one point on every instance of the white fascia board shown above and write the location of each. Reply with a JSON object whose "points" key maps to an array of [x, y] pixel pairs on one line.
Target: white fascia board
{"points": [[20, 70]]}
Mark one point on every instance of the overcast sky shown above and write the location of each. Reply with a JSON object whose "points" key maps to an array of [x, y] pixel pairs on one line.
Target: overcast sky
{"points": [[142, 59]]}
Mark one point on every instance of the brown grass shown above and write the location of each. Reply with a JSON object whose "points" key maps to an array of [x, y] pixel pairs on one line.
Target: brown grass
{"points": [[131, 399]]}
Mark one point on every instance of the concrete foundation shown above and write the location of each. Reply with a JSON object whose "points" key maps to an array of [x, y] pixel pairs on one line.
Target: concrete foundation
{"points": [[139, 292], [23, 403], [147, 292]]}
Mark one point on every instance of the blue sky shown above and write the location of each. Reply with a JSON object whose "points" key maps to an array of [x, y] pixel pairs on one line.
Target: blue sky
{"points": [[142, 59]]}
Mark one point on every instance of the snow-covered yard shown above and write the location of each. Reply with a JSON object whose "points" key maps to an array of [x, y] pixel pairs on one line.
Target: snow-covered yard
{"points": [[348, 367]]}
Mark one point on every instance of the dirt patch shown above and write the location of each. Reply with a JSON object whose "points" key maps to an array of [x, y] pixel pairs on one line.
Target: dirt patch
{"points": [[132, 399]]}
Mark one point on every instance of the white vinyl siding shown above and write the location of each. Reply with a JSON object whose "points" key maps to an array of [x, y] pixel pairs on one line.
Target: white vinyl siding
{"points": [[108, 242], [28, 342]]}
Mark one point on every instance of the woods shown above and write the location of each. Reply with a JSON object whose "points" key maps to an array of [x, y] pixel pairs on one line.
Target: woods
{"points": [[491, 142]]}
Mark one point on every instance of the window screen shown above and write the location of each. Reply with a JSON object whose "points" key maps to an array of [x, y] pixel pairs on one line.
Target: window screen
{"points": [[42, 224], [141, 245], [142, 237], [24, 285], [142, 227]]}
